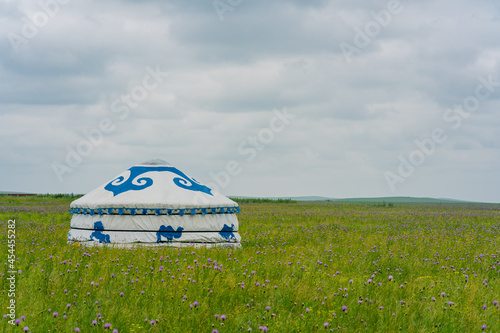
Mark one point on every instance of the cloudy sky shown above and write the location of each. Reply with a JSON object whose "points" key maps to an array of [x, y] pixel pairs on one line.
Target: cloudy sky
{"points": [[259, 98]]}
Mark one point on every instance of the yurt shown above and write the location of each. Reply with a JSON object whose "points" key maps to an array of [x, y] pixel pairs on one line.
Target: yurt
{"points": [[154, 204]]}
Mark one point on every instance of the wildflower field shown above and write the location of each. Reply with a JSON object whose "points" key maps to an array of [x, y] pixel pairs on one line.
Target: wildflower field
{"points": [[303, 267]]}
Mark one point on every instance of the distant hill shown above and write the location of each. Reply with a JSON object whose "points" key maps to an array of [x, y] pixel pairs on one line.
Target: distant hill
{"points": [[306, 198], [375, 200], [413, 200]]}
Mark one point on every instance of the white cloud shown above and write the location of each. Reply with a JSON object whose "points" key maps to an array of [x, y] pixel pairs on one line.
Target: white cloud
{"points": [[224, 80]]}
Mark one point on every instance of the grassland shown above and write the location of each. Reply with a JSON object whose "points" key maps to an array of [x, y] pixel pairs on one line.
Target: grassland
{"points": [[303, 267]]}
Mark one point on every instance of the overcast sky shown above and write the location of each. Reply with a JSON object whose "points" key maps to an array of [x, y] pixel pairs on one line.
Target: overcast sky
{"points": [[255, 98]]}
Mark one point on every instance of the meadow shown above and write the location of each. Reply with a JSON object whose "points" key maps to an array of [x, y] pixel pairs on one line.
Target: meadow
{"points": [[303, 267]]}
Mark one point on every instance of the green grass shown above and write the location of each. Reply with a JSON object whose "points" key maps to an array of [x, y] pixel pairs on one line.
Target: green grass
{"points": [[320, 256], [262, 200]]}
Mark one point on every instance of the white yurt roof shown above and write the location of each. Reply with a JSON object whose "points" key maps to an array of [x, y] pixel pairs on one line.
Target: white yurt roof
{"points": [[153, 184], [154, 202]]}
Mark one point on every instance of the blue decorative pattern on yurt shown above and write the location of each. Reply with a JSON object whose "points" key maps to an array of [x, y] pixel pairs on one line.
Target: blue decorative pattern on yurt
{"points": [[134, 183], [154, 211], [169, 233], [227, 232], [98, 233]]}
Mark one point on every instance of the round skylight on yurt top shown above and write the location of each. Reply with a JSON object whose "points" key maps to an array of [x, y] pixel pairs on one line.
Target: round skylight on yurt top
{"points": [[156, 161]]}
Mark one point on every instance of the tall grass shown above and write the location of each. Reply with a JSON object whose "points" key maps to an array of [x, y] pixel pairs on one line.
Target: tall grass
{"points": [[263, 200], [404, 269]]}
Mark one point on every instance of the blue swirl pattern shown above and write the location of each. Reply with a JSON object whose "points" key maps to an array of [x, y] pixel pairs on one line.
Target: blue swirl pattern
{"points": [[134, 183]]}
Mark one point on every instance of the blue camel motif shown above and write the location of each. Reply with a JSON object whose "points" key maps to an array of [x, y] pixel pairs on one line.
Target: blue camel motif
{"points": [[98, 233], [134, 183], [227, 232], [169, 233]]}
